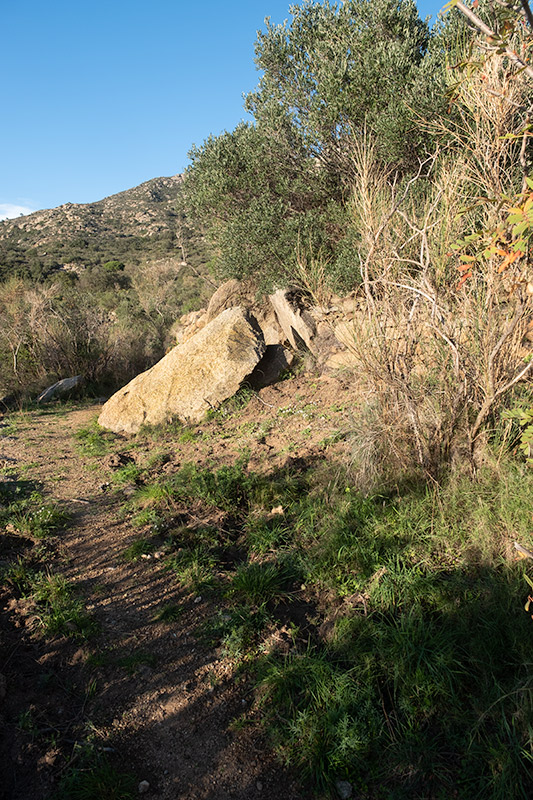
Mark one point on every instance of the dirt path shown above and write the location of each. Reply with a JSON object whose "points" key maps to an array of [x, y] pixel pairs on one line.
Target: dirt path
{"points": [[165, 706]]}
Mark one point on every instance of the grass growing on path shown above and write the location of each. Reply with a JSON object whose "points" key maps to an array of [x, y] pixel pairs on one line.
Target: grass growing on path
{"points": [[409, 674]]}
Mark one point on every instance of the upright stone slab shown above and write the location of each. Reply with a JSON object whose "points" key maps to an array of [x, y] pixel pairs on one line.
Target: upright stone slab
{"points": [[297, 325], [192, 378]]}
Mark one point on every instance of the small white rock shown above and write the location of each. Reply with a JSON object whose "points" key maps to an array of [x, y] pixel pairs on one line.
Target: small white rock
{"points": [[144, 787]]}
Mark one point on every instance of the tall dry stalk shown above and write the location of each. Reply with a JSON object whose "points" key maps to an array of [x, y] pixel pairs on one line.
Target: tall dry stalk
{"points": [[437, 359]]}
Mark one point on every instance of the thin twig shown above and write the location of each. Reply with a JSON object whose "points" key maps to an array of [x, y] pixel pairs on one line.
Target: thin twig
{"points": [[480, 25]]}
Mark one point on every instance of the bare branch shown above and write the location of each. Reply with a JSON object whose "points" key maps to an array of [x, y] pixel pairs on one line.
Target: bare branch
{"points": [[527, 12], [480, 25]]}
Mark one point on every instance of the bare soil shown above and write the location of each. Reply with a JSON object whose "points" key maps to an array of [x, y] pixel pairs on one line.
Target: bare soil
{"points": [[163, 705]]}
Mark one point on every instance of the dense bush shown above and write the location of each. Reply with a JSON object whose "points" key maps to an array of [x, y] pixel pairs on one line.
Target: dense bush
{"points": [[107, 323], [329, 76]]}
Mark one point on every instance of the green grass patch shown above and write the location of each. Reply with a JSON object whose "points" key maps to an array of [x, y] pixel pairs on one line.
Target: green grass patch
{"points": [[194, 568], [44, 520], [412, 675], [23, 508], [96, 778], [58, 608], [138, 549], [430, 662], [94, 441], [129, 473], [268, 534], [237, 630], [169, 612], [52, 604], [262, 583]]}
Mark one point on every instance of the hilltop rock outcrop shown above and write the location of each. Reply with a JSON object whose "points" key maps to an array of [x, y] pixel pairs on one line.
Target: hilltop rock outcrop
{"points": [[194, 377]]}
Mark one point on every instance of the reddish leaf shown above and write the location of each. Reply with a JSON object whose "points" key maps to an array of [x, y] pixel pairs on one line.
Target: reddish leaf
{"points": [[510, 259], [463, 280]]}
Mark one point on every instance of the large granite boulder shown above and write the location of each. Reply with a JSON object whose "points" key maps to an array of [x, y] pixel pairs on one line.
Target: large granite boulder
{"points": [[230, 294], [192, 378], [243, 293]]}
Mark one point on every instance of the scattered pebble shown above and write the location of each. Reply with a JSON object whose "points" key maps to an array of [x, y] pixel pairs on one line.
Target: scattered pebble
{"points": [[259, 786], [198, 599], [144, 787]]}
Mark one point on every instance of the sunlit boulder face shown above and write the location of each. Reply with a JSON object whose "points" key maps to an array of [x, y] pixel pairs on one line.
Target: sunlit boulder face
{"points": [[193, 378]]}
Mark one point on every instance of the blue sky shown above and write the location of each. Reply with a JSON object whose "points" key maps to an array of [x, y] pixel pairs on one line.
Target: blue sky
{"points": [[100, 96]]}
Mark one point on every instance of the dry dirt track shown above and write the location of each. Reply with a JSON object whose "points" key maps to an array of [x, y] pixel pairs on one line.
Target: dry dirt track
{"points": [[169, 714]]}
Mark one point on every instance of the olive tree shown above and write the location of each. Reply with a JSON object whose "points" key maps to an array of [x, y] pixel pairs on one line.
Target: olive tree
{"points": [[280, 184]]}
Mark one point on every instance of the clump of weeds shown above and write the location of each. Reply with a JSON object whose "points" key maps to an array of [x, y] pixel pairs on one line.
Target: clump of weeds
{"points": [[51, 604], [94, 441], [141, 547], [170, 612], [95, 777]]}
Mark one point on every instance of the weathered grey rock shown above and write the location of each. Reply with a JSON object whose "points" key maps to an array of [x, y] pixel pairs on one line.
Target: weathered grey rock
{"points": [[231, 294], [240, 293], [297, 325], [344, 789], [275, 360], [60, 388], [192, 378], [268, 322]]}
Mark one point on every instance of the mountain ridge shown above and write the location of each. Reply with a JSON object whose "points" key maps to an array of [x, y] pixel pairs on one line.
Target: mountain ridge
{"points": [[130, 225], [154, 190]]}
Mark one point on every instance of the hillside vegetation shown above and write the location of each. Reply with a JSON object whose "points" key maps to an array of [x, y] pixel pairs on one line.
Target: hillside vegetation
{"points": [[350, 540], [94, 289], [138, 222]]}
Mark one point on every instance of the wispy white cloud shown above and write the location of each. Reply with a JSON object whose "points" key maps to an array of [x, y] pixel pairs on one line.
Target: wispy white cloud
{"points": [[10, 210]]}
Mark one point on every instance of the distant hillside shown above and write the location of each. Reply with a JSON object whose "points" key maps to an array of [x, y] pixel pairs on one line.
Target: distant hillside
{"points": [[131, 226]]}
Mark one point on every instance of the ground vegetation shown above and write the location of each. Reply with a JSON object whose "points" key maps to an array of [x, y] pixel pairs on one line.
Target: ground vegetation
{"points": [[328, 569]]}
